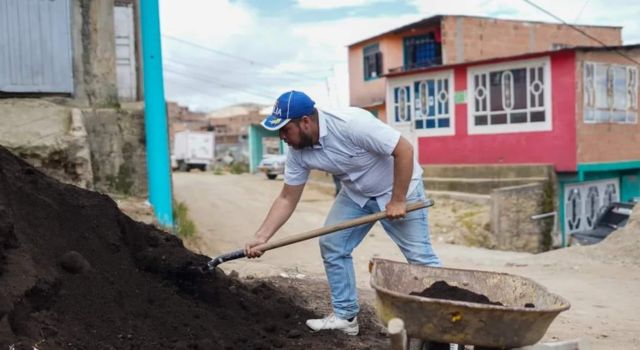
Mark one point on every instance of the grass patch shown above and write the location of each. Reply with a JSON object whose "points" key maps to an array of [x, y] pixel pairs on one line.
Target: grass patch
{"points": [[185, 227], [475, 233]]}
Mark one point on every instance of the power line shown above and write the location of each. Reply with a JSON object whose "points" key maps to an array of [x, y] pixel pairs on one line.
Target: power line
{"points": [[178, 66], [224, 85], [226, 71], [199, 91], [252, 62], [581, 31], [580, 13], [215, 80]]}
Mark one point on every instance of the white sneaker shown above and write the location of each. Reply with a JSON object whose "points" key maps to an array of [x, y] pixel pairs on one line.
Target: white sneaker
{"points": [[334, 322]]}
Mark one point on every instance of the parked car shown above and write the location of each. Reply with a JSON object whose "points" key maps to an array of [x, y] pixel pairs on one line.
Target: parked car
{"points": [[272, 165], [610, 218]]}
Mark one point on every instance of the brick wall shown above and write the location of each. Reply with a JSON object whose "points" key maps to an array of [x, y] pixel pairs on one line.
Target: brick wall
{"points": [[475, 38], [604, 142]]}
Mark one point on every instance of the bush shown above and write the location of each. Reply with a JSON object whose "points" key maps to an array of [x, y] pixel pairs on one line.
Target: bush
{"points": [[239, 168]]}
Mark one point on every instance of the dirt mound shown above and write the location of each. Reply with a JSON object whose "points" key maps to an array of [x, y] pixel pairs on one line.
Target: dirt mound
{"points": [[442, 290], [76, 273], [621, 246]]}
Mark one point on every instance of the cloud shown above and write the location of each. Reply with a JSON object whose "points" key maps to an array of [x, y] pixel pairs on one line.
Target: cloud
{"points": [[330, 4], [273, 53]]}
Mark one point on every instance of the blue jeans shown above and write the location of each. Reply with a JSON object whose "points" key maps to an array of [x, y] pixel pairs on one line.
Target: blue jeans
{"points": [[410, 233]]}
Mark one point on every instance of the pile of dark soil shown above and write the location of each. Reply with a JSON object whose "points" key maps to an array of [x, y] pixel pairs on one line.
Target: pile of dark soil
{"points": [[442, 290], [76, 273]]}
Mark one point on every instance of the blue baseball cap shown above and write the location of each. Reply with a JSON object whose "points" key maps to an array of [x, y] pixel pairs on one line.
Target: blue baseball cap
{"points": [[290, 105]]}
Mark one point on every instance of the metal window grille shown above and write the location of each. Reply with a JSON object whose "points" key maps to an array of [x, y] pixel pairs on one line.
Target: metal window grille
{"points": [[422, 51], [432, 103], [610, 93], [372, 62], [509, 96]]}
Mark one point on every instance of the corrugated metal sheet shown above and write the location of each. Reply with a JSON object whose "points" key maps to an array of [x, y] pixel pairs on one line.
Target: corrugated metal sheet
{"points": [[35, 46]]}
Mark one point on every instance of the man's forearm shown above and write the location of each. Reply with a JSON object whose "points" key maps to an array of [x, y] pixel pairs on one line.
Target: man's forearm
{"points": [[280, 211], [402, 169]]}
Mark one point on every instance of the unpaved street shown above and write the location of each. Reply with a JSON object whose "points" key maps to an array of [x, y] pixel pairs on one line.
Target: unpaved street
{"points": [[228, 209]]}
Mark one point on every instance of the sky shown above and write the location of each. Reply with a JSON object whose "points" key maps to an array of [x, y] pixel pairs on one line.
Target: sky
{"points": [[218, 53]]}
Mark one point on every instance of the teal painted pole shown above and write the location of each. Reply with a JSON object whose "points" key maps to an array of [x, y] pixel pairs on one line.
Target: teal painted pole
{"points": [[155, 115]]}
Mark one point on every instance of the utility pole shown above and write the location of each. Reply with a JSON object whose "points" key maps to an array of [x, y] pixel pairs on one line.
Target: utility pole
{"points": [[155, 116]]}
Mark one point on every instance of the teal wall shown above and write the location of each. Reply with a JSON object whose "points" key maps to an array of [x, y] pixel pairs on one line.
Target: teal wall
{"points": [[256, 134], [630, 187]]}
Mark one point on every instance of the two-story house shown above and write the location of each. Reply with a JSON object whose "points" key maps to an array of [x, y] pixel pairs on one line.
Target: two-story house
{"points": [[443, 40]]}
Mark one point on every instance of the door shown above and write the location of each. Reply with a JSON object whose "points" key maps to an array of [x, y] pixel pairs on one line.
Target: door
{"points": [[35, 46], [125, 52], [583, 201], [401, 114]]}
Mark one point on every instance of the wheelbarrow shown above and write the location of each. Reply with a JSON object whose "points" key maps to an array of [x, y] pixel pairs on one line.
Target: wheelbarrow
{"points": [[449, 321]]}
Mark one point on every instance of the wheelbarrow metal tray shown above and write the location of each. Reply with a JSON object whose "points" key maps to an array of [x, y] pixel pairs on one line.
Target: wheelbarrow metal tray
{"points": [[449, 321]]}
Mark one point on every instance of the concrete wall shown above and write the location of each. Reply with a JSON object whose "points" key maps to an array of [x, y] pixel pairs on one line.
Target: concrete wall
{"points": [[94, 55], [118, 152], [48, 136], [604, 142], [511, 224], [467, 39]]}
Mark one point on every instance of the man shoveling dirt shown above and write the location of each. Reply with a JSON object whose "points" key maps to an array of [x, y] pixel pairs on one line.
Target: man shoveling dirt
{"points": [[376, 167]]}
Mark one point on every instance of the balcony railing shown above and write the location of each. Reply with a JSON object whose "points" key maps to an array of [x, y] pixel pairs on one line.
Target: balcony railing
{"points": [[436, 61]]}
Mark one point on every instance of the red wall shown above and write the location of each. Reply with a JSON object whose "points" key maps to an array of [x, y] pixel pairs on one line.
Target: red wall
{"points": [[557, 146]]}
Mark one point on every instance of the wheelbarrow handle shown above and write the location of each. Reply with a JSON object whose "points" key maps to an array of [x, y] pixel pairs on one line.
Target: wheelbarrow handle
{"points": [[237, 254]]}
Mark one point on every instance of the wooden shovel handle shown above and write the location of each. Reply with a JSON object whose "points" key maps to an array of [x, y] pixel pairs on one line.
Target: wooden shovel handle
{"points": [[339, 226]]}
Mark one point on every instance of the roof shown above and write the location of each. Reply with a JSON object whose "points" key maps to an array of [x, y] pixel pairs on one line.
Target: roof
{"points": [[511, 58], [429, 21], [373, 104]]}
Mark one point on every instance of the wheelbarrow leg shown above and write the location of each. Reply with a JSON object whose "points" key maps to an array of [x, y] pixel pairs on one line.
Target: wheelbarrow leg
{"points": [[397, 334]]}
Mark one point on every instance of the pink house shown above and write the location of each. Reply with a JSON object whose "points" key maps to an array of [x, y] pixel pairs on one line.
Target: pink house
{"points": [[575, 109]]}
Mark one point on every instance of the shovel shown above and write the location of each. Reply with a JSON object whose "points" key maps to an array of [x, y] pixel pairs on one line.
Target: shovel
{"points": [[314, 233]]}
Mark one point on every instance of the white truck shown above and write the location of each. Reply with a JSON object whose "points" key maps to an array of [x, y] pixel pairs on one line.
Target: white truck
{"points": [[193, 150]]}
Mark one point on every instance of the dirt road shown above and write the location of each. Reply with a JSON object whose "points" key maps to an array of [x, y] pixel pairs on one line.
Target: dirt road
{"points": [[228, 209]]}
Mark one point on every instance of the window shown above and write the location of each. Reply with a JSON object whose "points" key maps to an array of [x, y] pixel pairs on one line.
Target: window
{"points": [[372, 62], [423, 104], [610, 93], [402, 104], [433, 104], [510, 97], [559, 46], [422, 51]]}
